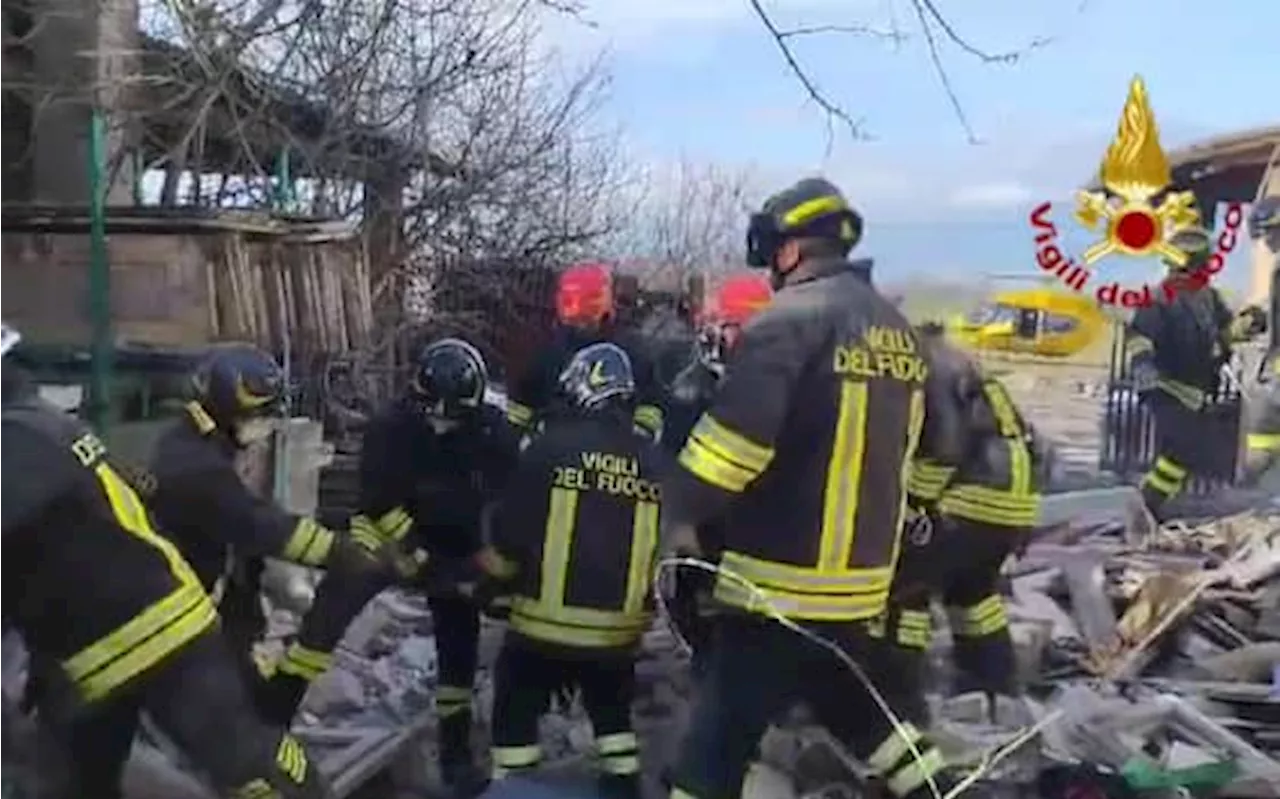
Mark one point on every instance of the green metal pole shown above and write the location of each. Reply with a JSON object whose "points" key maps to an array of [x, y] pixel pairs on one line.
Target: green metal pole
{"points": [[102, 350], [284, 182]]}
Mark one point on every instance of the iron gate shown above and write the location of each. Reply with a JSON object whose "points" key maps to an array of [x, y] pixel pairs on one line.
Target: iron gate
{"points": [[1128, 433]]}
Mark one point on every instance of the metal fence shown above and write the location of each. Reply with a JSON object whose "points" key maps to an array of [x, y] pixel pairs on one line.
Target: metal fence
{"points": [[1128, 434]]}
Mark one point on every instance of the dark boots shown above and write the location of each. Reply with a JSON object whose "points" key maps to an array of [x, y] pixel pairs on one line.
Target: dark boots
{"points": [[458, 768]]}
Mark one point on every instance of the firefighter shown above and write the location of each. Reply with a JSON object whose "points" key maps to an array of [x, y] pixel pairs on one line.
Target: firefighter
{"points": [[728, 310], [965, 522], [429, 464], [221, 527], [585, 314], [803, 455], [576, 536], [1262, 438], [98, 592], [730, 307], [1176, 349]]}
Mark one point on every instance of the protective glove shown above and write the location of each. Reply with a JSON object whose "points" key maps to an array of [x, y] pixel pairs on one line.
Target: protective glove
{"points": [[369, 549], [1145, 376]]}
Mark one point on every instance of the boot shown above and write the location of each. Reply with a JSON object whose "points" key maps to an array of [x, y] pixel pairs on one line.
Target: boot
{"points": [[458, 768], [985, 663], [619, 786]]}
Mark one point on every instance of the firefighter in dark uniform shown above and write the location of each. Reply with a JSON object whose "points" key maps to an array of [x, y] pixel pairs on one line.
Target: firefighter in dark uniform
{"points": [[429, 464], [1176, 348], [965, 522], [1262, 432], [732, 305], [576, 536], [804, 454], [96, 590], [585, 314], [221, 527]]}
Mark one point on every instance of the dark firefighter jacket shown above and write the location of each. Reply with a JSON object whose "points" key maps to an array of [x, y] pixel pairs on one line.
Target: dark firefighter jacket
{"points": [[691, 393], [533, 396], [1187, 338], [203, 505], [434, 486], [91, 583], [996, 479], [579, 524], [805, 447]]}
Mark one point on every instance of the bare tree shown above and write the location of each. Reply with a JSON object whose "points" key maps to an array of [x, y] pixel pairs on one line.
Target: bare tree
{"points": [[689, 218]]}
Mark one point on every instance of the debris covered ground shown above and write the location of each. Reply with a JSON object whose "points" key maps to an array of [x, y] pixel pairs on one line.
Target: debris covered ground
{"points": [[1152, 653]]}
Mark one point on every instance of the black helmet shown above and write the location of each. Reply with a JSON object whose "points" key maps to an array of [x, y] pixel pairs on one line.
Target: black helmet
{"points": [[450, 379], [1196, 243], [9, 339], [598, 376], [812, 208], [1264, 216], [237, 382]]}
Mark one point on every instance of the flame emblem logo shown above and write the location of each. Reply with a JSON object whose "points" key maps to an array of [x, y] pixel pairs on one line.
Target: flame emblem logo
{"points": [[1133, 171]]}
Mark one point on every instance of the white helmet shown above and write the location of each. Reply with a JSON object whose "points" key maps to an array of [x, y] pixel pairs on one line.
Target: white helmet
{"points": [[8, 339]]}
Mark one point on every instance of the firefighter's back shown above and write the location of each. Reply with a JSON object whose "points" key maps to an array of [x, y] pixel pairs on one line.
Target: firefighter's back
{"points": [[592, 504], [834, 481], [92, 583]]}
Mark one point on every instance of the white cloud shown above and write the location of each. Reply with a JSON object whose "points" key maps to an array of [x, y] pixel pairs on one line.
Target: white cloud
{"points": [[989, 196]]}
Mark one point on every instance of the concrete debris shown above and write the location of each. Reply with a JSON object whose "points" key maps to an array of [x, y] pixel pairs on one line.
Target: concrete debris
{"points": [[1151, 655]]}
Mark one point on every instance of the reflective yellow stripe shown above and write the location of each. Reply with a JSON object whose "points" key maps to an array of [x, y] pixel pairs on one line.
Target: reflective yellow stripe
{"points": [[303, 662], [926, 479], [1008, 423], [1188, 395], [644, 545], [894, 748], [309, 544], [983, 618], [292, 759], [1169, 468], [916, 772], [1263, 442], [1161, 483], [394, 524], [519, 415], [810, 209], [648, 417], [160, 629], [1137, 345], [991, 505], [200, 417], [719, 456], [618, 753], [547, 618], [844, 479], [507, 759], [452, 700], [255, 789], [680, 793], [915, 629], [803, 592]]}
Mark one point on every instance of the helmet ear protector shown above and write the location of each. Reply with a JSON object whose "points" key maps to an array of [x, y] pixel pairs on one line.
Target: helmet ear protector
{"points": [[828, 216]]}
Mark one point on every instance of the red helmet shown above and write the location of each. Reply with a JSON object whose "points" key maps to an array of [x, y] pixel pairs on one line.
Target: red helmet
{"points": [[731, 305], [584, 294], [738, 298]]}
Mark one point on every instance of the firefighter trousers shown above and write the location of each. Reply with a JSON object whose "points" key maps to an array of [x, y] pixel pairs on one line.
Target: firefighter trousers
{"points": [[960, 564], [200, 701], [456, 622], [528, 675], [1183, 447], [758, 669]]}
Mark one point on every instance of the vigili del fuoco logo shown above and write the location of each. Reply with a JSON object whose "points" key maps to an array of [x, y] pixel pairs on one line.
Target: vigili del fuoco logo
{"points": [[1137, 214]]}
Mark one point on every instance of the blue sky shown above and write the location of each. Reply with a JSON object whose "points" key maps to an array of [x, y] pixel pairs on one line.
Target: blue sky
{"points": [[701, 79]]}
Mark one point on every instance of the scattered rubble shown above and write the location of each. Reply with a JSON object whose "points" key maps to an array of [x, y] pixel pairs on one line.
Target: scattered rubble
{"points": [[1155, 657]]}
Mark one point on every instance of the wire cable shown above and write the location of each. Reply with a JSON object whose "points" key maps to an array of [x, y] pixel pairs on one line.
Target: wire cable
{"points": [[772, 613]]}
